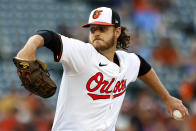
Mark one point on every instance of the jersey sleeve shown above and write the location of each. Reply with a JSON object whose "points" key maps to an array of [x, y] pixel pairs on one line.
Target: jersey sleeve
{"points": [[76, 54], [73, 54], [53, 42], [137, 66], [133, 66], [144, 66]]}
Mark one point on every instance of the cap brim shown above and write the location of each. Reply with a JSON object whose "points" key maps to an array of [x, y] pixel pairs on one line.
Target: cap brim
{"points": [[96, 23]]}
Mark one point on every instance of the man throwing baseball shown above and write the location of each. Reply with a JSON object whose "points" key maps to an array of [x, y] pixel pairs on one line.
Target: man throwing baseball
{"points": [[96, 74]]}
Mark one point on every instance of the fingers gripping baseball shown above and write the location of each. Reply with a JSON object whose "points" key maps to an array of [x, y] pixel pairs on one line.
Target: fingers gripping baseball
{"points": [[176, 109]]}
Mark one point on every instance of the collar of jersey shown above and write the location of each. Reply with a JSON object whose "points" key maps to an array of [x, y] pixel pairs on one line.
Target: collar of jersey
{"points": [[104, 60]]}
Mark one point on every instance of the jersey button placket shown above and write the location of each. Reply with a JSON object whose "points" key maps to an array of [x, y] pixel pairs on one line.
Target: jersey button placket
{"points": [[112, 94]]}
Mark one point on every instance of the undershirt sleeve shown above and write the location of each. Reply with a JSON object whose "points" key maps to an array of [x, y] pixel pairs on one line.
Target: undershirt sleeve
{"points": [[53, 42], [144, 66]]}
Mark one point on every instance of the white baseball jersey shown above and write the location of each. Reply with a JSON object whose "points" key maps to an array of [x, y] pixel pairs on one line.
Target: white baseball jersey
{"points": [[92, 87]]}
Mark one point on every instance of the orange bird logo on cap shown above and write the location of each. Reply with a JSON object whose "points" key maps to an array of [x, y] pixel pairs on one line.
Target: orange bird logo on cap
{"points": [[96, 14]]}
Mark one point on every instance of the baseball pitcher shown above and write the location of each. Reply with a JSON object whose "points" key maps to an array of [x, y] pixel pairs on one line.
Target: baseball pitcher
{"points": [[95, 76]]}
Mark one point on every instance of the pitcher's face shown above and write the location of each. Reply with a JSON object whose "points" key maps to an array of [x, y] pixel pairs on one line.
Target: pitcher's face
{"points": [[102, 37]]}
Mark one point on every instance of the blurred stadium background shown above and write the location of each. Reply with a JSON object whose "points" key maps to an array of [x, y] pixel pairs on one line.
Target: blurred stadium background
{"points": [[162, 31]]}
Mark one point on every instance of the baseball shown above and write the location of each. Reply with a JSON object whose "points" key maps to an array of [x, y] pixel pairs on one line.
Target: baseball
{"points": [[177, 115]]}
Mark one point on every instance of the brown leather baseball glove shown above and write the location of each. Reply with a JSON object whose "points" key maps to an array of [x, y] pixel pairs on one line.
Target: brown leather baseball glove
{"points": [[35, 78]]}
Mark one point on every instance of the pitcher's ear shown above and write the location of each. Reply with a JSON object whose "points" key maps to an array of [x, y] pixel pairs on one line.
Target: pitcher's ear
{"points": [[117, 31]]}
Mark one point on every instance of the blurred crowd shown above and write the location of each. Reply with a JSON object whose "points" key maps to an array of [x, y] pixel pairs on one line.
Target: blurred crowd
{"points": [[144, 113], [22, 112], [162, 32]]}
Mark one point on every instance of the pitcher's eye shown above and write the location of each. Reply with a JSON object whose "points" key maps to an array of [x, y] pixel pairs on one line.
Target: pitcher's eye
{"points": [[92, 29], [102, 29]]}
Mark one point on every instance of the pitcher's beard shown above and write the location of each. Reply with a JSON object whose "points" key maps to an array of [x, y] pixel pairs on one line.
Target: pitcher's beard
{"points": [[106, 45]]}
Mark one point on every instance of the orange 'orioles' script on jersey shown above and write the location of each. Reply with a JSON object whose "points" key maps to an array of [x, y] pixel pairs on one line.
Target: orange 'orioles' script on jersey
{"points": [[104, 87]]}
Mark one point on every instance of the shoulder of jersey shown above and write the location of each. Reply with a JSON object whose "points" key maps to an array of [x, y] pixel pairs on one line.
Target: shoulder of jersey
{"points": [[124, 53]]}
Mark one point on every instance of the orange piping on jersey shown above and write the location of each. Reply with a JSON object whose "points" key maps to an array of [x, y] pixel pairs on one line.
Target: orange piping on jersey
{"points": [[60, 54]]}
